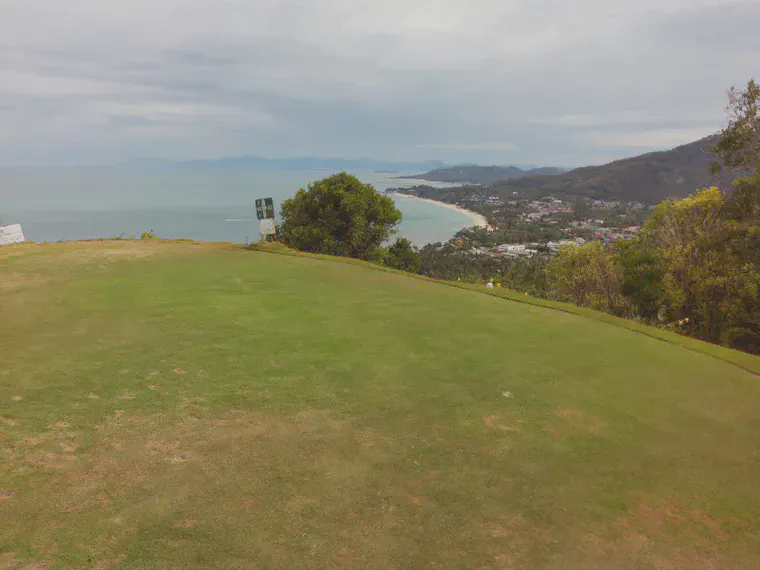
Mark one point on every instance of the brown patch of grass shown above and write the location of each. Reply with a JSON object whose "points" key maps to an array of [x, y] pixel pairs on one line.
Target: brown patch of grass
{"points": [[507, 562], [663, 534], [50, 459], [110, 250], [495, 423], [18, 281], [165, 471], [508, 526], [668, 515], [187, 523], [576, 421], [8, 560]]}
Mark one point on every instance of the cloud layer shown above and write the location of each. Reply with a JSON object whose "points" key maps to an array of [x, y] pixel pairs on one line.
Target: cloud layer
{"points": [[490, 81]]}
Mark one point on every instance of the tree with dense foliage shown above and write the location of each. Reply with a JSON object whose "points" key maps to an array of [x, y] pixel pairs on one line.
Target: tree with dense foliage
{"points": [[587, 275], [339, 215], [642, 275], [706, 280], [403, 255], [738, 146]]}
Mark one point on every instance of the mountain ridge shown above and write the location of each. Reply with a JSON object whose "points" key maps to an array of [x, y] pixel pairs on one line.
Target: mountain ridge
{"points": [[649, 178]]}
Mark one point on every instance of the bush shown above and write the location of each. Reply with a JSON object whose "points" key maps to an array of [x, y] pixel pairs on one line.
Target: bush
{"points": [[339, 215], [403, 255]]}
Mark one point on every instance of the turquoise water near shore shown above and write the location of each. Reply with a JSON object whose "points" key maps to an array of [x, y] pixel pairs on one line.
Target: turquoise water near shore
{"points": [[67, 204]]}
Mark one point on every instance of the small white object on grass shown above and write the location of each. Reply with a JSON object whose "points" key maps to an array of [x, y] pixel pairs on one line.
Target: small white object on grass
{"points": [[489, 285], [507, 394]]}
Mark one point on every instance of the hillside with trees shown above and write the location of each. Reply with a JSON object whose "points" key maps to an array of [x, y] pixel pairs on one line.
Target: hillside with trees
{"points": [[695, 267], [648, 178]]}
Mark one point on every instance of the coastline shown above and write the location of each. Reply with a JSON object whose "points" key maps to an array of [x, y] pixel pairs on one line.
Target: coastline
{"points": [[478, 219]]}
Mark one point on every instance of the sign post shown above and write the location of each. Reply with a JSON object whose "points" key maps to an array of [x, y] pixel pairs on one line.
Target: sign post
{"points": [[265, 215], [260, 209]]}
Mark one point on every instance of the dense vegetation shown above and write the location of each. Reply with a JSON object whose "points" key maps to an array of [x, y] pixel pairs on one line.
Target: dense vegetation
{"points": [[695, 267]]}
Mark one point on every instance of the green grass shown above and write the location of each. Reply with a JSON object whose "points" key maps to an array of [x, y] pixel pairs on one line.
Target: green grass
{"points": [[182, 405]]}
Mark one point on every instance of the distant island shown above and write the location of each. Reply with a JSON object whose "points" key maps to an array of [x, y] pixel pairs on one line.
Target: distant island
{"points": [[475, 174], [239, 163]]}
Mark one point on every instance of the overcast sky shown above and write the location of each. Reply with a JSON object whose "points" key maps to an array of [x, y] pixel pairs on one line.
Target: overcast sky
{"points": [[550, 82]]}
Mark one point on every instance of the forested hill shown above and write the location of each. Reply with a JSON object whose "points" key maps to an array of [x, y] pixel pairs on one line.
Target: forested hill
{"points": [[648, 178], [481, 174]]}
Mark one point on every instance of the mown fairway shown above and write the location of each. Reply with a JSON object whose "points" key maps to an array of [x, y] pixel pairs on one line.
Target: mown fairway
{"points": [[175, 405]]}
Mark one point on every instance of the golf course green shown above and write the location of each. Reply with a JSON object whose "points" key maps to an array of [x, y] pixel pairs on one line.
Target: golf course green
{"points": [[186, 405]]}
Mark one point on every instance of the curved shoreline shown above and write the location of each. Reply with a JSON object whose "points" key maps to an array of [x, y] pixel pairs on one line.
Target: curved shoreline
{"points": [[479, 219]]}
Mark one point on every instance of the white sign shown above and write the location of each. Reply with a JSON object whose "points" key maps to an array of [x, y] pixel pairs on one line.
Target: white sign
{"points": [[267, 227], [11, 234]]}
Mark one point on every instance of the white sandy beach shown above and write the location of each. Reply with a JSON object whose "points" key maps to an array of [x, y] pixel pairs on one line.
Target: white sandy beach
{"points": [[477, 219]]}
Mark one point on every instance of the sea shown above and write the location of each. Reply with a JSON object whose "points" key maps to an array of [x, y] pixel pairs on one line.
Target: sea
{"points": [[55, 204]]}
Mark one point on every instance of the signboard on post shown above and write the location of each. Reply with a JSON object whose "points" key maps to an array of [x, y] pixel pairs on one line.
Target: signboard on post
{"points": [[265, 215], [264, 209], [11, 234], [267, 228]]}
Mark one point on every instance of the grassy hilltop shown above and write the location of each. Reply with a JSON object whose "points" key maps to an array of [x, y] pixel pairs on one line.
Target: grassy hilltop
{"points": [[182, 405]]}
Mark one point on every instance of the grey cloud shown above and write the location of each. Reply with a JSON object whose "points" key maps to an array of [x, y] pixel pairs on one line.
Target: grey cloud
{"points": [[543, 81]]}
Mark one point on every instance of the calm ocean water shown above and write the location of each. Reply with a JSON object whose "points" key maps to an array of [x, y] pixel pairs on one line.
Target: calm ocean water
{"points": [[66, 204]]}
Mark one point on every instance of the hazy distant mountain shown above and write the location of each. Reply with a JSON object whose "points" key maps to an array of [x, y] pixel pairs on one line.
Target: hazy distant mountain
{"points": [[296, 163], [474, 174], [648, 178]]}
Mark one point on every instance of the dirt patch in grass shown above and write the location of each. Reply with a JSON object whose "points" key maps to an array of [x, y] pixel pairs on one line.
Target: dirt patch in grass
{"points": [[88, 251], [508, 526], [666, 534], [573, 422], [495, 422], [660, 534], [667, 514]]}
